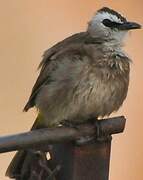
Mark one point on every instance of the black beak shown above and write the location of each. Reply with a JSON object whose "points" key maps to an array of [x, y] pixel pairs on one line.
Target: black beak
{"points": [[129, 26]]}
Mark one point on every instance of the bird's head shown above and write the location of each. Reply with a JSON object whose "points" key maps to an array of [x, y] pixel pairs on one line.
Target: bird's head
{"points": [[110, 25]]}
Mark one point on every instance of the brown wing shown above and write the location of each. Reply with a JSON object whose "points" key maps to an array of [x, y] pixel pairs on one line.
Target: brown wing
{"points": [[43, 77]]}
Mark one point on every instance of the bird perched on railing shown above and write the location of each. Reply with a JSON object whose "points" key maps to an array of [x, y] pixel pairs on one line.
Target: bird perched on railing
{"points": [[84, 76]]}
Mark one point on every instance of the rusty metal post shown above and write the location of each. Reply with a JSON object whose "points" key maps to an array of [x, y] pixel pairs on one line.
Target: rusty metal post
{"points": [[85, 162]]}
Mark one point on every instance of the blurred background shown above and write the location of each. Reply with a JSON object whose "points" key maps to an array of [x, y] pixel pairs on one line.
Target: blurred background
{"points": [[27, 28]]}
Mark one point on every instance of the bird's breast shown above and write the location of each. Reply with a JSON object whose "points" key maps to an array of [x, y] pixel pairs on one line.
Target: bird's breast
{"points": [[101, 91]]}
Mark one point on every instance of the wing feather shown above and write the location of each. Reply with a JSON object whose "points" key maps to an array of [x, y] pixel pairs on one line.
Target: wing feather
{"points": [[44, 75]]}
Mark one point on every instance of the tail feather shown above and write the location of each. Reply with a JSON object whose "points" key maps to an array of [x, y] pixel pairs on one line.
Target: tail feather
{"points": [[23, 158], [14, 168]]}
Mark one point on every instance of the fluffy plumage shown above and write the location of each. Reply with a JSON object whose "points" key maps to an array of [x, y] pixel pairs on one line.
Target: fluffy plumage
{"points": [[83, 76], [79, 80]]}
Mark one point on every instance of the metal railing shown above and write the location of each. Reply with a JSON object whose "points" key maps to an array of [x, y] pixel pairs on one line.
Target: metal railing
{"points": [[81, 153]]}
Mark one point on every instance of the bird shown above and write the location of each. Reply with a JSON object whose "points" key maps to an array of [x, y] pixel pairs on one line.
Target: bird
{"points": [[85, 76]]}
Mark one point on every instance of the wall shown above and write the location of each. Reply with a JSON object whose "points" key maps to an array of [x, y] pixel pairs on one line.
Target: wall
{"points": [[27, 28]]}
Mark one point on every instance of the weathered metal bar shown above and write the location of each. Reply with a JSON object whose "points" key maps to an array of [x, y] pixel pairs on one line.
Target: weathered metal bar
{"points": [[38, 138]]}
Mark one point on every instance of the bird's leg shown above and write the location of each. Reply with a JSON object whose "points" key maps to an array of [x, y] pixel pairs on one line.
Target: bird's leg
{"points": [[99, 136], [97, 130]]}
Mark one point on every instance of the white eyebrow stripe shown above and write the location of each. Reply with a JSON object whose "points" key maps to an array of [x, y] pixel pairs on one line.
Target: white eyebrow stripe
{"points": [[105, 15]]}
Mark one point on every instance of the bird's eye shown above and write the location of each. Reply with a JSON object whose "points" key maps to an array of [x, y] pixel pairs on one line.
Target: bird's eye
{"points": [[110, 23]]}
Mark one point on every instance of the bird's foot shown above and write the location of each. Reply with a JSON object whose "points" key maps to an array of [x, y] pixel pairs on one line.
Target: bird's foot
{"points": [[90, 139], [97, 130], [99, 137]]}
